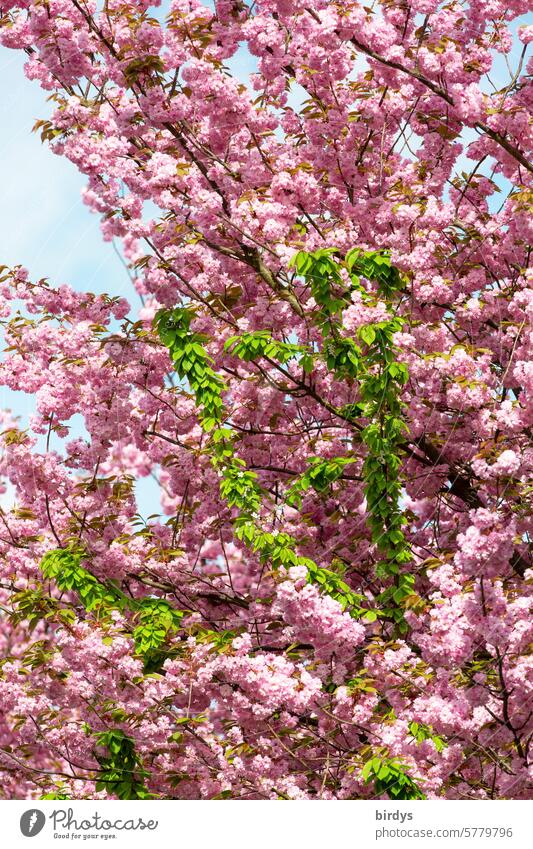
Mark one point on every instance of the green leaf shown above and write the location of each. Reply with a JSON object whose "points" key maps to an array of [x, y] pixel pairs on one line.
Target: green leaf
{"points": [[367, 333]]}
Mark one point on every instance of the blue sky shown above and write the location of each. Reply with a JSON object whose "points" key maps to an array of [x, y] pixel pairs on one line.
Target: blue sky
{"points": [[44, 224]]}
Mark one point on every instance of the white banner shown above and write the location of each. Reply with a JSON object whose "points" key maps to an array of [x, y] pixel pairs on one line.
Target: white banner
{"points": [[253, 825]]}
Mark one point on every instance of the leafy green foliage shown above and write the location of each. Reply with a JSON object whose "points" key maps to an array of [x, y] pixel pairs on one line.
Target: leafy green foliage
{"points": [[192, 362], [239, 487], [280, 550], [343, 357], [372, 361], [389, 776], [33, 605], [375, 265], [64, 567], [120, 773], [157, 621], [249, 346], [423, 732], [219, 640], [361, 684], [322, 272], [333, 585], [380, 389], [380, 378], [319, 476], [54, 796]]}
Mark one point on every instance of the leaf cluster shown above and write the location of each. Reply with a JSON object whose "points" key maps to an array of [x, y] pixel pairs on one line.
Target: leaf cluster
{"points": [[260, 343], [320, 475], [389, 776], [120, 773], [192, 362]]}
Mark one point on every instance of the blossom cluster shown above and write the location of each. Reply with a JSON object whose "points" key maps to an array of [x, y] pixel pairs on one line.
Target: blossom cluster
{"points": [[374, 129]]}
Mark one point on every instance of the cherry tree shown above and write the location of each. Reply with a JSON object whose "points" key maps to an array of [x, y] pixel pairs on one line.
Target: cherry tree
{"points": [[330, 380]]}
